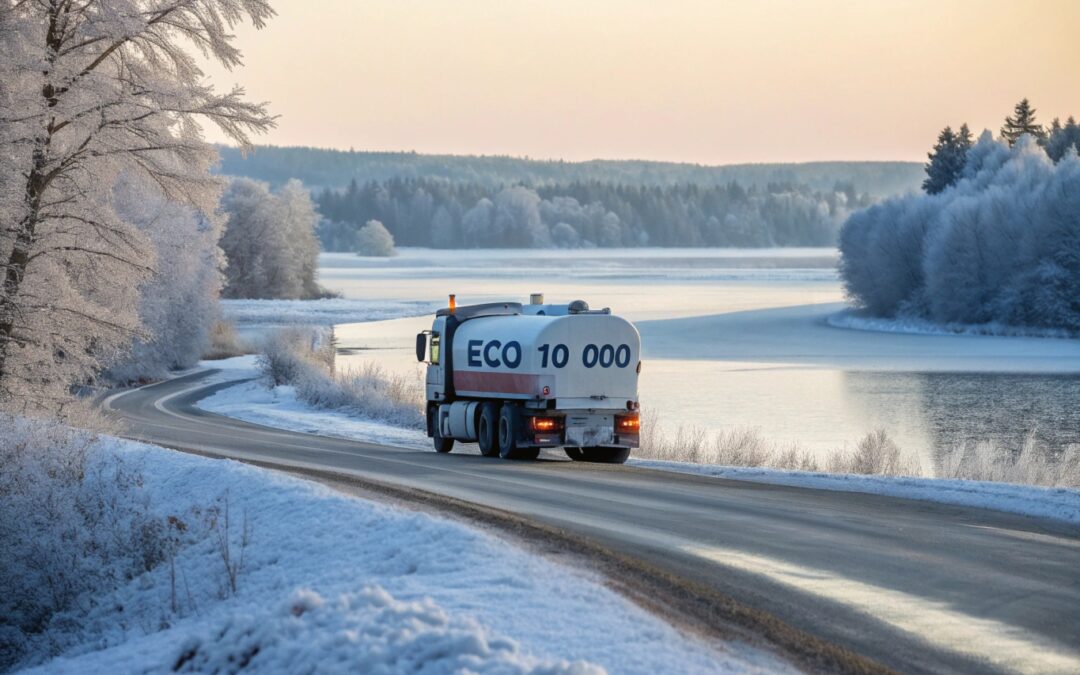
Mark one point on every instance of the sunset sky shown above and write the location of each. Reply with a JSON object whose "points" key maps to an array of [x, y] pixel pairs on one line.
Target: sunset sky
{"points": [[682, 80]]}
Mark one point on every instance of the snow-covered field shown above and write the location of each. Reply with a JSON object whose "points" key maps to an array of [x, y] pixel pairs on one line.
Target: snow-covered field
{"points": [[330, 583]]}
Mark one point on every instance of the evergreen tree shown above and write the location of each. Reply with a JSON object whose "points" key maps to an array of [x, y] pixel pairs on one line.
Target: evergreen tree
{"points": [[1022, 122], [947, 159], [1062, 138]]}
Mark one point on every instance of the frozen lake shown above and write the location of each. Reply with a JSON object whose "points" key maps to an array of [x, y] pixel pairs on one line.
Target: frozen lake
{"points": [[737, 338]]}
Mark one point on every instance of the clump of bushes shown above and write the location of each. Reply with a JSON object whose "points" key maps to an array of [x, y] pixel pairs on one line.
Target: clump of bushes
{"points": [[225, 343], [304, 359]]}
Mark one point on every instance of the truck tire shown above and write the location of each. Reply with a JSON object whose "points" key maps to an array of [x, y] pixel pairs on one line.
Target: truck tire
{"points": [[599, 455], [441, 444], [509, 430], [487, 429]]}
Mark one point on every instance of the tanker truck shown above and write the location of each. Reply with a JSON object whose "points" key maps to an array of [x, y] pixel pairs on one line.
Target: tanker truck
{"points": [[515, 378]]}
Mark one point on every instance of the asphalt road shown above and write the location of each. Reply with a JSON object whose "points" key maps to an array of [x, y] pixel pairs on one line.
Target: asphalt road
{"points": [[916, 586]]}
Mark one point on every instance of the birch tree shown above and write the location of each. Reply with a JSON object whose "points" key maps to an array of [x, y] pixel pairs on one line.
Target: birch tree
{"points": [[90, 90]]}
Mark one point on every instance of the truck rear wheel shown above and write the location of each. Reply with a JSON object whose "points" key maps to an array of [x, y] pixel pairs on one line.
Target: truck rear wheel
{"points": [[487, 429], [509, 430], [599, 455]]}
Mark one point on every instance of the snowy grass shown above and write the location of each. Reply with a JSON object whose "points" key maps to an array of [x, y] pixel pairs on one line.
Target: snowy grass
{"points": [[876, 454], [856, 320], [225, 343], [332, 583]]}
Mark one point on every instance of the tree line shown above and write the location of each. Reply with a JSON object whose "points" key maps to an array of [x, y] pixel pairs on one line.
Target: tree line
{"points": [[994, 239], [454, 214], [326, 168]]}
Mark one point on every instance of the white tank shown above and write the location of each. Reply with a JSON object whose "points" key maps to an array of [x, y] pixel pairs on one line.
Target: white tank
{"points": [[587, 360]]}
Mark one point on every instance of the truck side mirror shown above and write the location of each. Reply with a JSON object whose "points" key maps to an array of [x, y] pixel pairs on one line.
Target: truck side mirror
{"points": [[421, 346]]}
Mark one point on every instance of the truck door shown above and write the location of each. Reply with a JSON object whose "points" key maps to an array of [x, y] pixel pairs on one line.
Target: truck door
{"points": [[435, 380]]}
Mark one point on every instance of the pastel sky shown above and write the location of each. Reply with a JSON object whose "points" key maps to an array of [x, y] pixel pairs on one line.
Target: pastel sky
{"points": [[704, 81]]}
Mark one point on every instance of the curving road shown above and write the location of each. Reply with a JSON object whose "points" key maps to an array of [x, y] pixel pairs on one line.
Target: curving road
{"points": [[914, 586]]}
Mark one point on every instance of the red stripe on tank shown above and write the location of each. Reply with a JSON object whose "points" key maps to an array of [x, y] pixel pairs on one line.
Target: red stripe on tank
{"points": [[509, 383]]}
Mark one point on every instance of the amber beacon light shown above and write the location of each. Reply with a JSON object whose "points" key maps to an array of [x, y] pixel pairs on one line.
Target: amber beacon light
{"points": [[453, 303]]}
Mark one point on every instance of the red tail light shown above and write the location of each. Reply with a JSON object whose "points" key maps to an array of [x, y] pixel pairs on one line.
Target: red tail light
{"points": [[628, 424], [544, 424]]}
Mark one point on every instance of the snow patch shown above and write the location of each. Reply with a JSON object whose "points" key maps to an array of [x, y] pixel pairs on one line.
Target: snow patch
{"points": [[854, 320]]}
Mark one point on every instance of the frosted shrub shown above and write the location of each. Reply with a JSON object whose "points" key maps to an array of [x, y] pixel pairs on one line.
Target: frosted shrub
{"points": [[875, 455], [1032, 465], [225, 343], [289, 353], [739, 446], [371, 392], [289, 358], [373, 239], [74, 521]]}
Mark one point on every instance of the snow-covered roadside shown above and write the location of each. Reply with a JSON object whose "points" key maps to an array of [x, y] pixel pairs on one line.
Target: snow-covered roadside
{"points": [[853, 320], [330, 582], [253, 402], [280, 408], [1061, 504]]}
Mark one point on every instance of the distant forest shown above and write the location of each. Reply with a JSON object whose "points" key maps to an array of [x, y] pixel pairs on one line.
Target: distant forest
{"points": [[484, 202], [322, 168], [444, 214]]}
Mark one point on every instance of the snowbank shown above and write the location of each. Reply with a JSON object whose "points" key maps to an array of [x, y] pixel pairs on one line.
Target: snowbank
{"points": [[1061, 504], [332, 583]]}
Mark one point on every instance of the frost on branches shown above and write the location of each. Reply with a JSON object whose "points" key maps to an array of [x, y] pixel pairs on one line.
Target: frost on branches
{"points": [[91, 91]]}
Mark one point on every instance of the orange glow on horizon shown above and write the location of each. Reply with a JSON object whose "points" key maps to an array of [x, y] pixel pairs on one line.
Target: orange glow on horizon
{"points": [[688, 80]]}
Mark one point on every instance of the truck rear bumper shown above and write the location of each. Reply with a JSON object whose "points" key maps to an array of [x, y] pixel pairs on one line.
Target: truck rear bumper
{"points": [[579, 429]]}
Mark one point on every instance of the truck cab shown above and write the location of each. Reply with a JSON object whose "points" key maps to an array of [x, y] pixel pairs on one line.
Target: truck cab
{"points": [[517, 378]]}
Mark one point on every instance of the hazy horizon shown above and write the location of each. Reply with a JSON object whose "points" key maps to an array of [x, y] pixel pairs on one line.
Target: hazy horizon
{"points": [[692, 81]]}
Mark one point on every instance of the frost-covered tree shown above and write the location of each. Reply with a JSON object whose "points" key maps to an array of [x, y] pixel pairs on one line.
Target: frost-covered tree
{"points": [[1021, 122], [178, 305], [375, 240], [477, 224], [90, 90], [1062, 138], [269, 241], [947, 159], [517, 220], [300, 218], [1002, 245], [564, 235]]}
